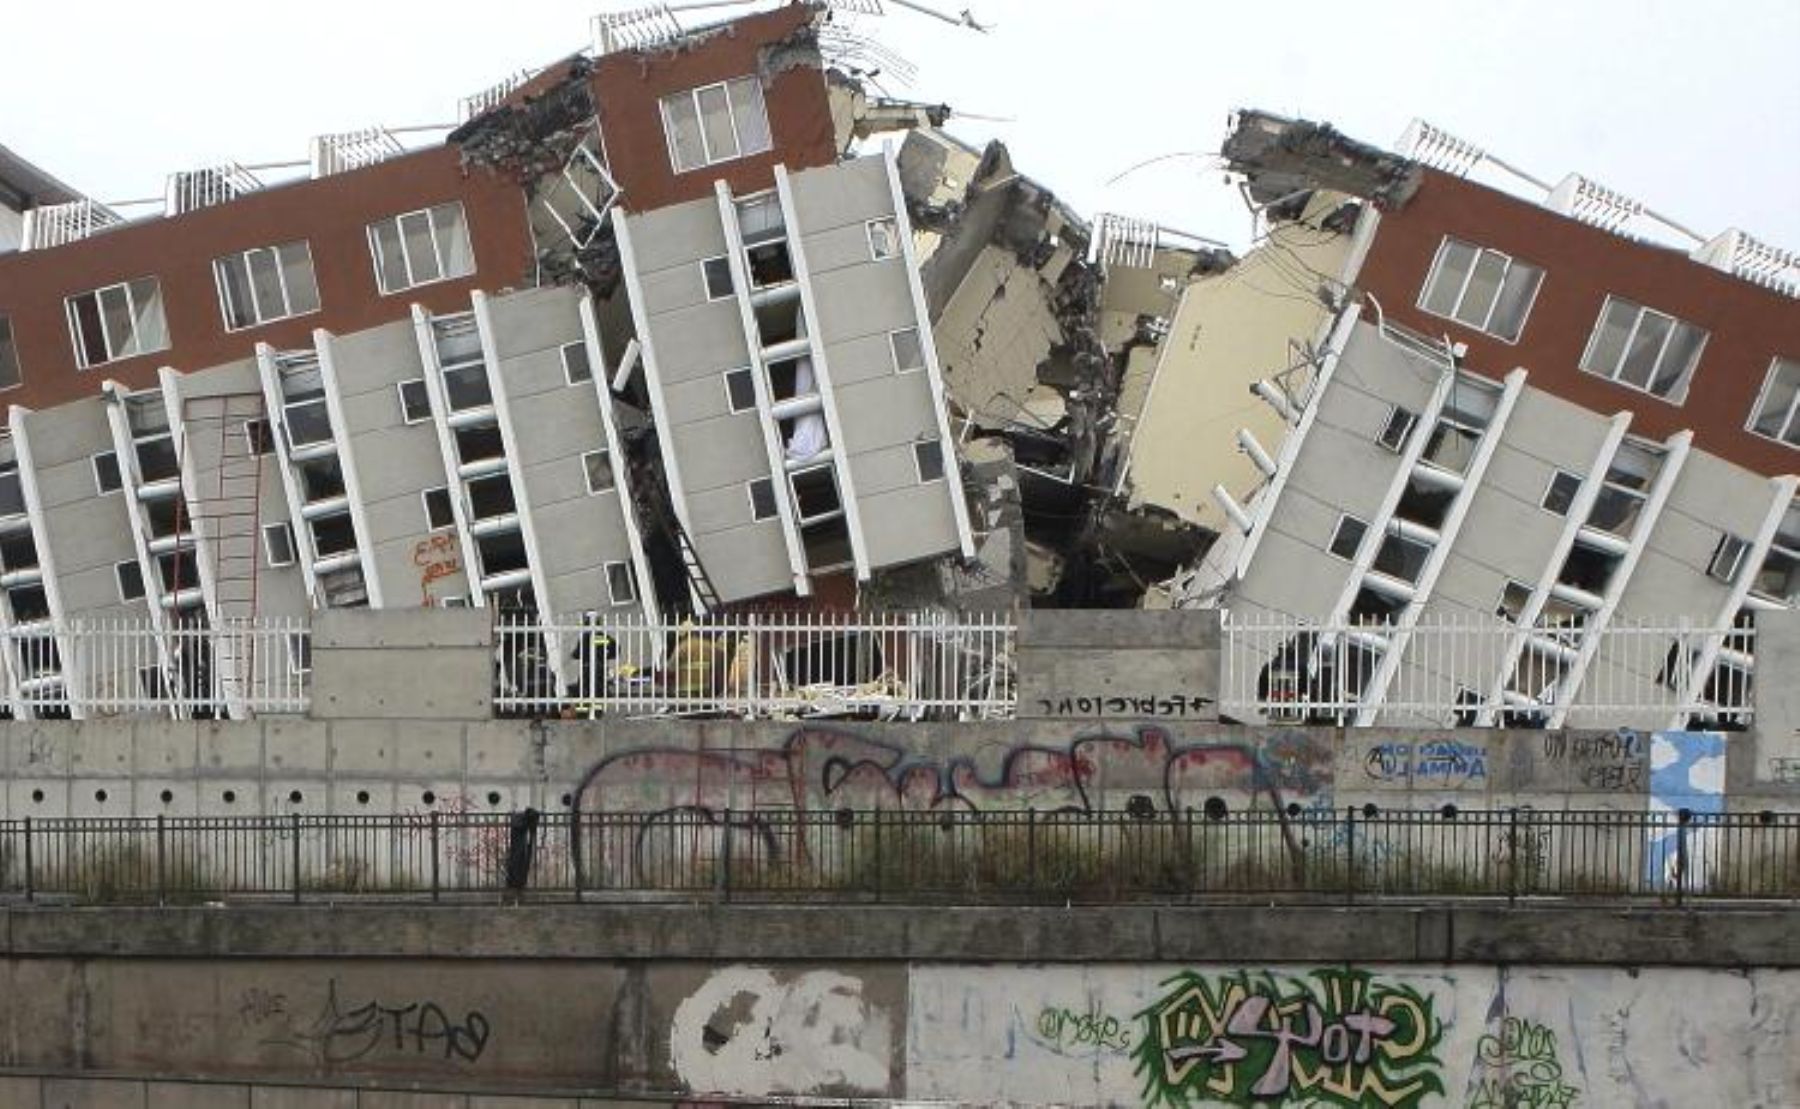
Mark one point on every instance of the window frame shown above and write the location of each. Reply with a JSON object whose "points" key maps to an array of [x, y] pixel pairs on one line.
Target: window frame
{"points": [[1550, 487], [293, 551], [1338, 529], [1407, 426], [731, 404], [693, 98], [100, 488], [750, 495], [630, 579], [406, 418], [1676, 396], [143, 587], [893, 225], [376, 256], [587, 474], [568, 370], [894, 350], [706, 285], [432, 527], [112, 355], [9, 356], [259, 444], [287, 295], [1740, 549], [1789, 436], [1485, 326], [943, 464]]}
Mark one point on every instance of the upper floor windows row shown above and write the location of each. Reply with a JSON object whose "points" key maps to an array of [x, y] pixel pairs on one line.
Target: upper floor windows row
{"points": [[1481, 288], [716, 123], [1644, 349]]}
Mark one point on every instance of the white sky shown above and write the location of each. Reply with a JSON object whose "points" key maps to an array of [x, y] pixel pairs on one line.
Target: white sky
{"points": [[1691, 107]]}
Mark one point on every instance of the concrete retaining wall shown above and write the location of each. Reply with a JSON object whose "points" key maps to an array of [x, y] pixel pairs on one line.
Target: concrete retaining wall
{"points": [[1161, 1031]]}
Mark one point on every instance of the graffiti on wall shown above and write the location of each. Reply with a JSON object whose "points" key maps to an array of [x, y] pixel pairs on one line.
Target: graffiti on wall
{"points": [[437, 558], [1687, 774], [747, 1033], [1519, 1067], [1071, 1031], [1337, 1037], [1609, 762], [344, 1033], [1439, 762]]}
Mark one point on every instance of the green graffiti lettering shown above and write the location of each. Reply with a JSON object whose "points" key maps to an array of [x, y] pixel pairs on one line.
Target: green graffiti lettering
{"points": [[1338, 1038]]}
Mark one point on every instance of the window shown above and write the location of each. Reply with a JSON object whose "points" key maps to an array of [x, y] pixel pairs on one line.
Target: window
{"points": [[1561, 493], [762, 499], [929, 458], [717, 272], [740, 390], [106, 473], [884, 239], [1399, 425], [715, 123], [1776, 416], [299, 653], [131, 580], [438, 512], [258, 436], [1513, 599], [1480, 288], [119, 321], [421, 247], [265, 284], [598, 467], [1348, 536], [908, 354], [278, 544], [621, 583], [1401, 557], [1643, 349], [576, 369], [9, 356], [415, 402], [1728, 558]]}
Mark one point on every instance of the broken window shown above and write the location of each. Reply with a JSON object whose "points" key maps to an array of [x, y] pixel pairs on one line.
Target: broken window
{"points": [[30, 603], [1485, 289], [131, 580], [769, 264], [1776, 415], [18, 552], [717, 275], [266, 283], [106, 473], [827, 544], [466, 387], [791, 378], [1561, 493], [415, 402], [929, 458], [1622, 495], [1401, 557], [166, 517], [1727, 558], [503, 553], [762, 499], [597, 465], [438, 511], [908, 353], [479, 444], [576, 368], [1347, 537], [1644, 349], [119, 321], [491, 497], [1588, 569], [884, 239], [9, 356], [320, 479], [1779, 577], [178, 570], [308, 422], [156, 459], [740, 390], [1399, 425], [421, 247], [816, 494], [621, 583], [1514, 596], [1424, 502], [258, 436], [715, 123], [333, 535], [278, 544]]}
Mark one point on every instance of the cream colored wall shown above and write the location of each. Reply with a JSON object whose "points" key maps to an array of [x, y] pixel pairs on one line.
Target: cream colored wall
{"points": [[1230, 330]]}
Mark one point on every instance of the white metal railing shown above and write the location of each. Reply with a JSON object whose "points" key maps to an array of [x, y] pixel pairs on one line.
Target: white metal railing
{"points": [[350, 150], [90, 668], [191, 190], [468, 107], [779, 664], [1453, 671], [57, 224]]}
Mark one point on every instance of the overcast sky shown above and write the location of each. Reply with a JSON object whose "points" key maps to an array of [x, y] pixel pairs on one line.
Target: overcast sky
{"points": [[1691, 107]]}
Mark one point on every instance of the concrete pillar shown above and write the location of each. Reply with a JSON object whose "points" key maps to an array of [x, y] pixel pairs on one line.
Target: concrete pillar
{"points": [[1123, 665]]}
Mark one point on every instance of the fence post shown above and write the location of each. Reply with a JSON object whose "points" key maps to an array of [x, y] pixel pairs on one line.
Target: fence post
{"points": [[1512, 855], [434, 854], [161, 864], [1681, 855], [1197, 879], [30, 891], [576, 843], [1031, 851], [294, 855], [725, 868], [1350, 849], [878, 815]]}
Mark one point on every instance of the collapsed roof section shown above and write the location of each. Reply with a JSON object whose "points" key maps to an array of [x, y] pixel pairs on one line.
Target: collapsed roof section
{"points": [[1279, 157]]}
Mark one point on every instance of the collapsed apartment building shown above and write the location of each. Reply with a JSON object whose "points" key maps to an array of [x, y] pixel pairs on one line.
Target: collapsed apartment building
{"points": [[1504, 403]]}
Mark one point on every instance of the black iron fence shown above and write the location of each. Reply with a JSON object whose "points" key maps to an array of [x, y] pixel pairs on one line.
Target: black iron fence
{"points": [[963, 856]]}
